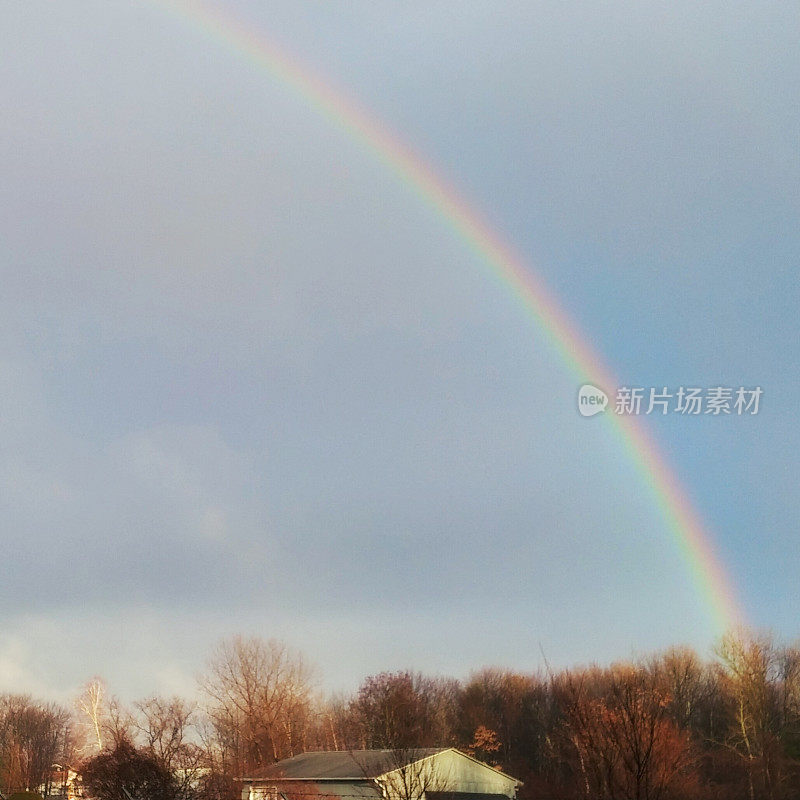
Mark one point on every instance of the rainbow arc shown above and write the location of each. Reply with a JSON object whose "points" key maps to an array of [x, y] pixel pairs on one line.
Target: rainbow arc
{"points": [[692, 537]]}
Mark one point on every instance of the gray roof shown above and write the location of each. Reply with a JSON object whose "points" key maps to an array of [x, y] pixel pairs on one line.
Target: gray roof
{"points": [[329, 790], [332, 765], [464, 796]]}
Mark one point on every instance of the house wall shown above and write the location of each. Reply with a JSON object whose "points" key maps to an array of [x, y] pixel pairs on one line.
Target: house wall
{"points": [[448, 771], [310, 790], [251, 792], [451, 771]]}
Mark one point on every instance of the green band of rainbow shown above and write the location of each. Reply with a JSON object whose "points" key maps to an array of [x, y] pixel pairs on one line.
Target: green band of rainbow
{"points": [[694, 541]]}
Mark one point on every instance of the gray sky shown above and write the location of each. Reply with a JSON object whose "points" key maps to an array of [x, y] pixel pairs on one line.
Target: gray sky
{"points": [[249, 383]]}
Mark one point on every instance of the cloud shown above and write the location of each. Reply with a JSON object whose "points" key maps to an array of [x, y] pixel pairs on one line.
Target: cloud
{"points": [[250, 381], [16, 658]]}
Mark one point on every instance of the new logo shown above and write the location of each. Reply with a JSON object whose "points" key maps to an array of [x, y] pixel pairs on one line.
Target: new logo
{"points": [[591, 400]]}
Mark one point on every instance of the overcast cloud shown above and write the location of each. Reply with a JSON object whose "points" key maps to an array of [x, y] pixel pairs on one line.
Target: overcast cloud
{"points": [[248, 382]]}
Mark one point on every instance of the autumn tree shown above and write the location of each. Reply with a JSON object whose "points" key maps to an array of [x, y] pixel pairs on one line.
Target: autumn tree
{"points": [[694, 700], [401, 710], [484, 745], [259, 696], [760, 687], [126, 773], [519, 709], [338, 726], [623, 744], [33, 737], [167, 729], [788, 668]]}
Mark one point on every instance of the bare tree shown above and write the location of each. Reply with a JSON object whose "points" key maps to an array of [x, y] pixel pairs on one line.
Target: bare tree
{"points": [[518, 708], [401, 710], [119, 724], [91, 705], [405, 773], [625, 745], [259, 695], [33, 737], [789, 690], [167, 727], [751, 673], [414, 778]]}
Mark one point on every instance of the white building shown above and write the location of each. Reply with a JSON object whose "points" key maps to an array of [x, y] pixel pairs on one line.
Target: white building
{"points": [[406, 774]]}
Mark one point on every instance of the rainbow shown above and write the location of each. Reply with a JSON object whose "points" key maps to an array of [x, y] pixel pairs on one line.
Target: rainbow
{"points": [[692, 537]]}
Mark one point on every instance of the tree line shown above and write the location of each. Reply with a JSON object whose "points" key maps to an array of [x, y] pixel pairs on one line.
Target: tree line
{"points": [[672, 726]]}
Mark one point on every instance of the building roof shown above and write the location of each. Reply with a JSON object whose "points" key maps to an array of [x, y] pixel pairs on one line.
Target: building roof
{"points": [[329, 790], [350, 765], [464, 796]]}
